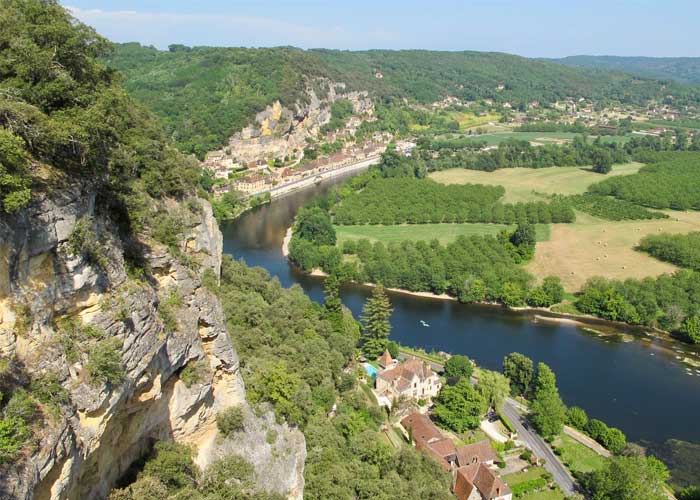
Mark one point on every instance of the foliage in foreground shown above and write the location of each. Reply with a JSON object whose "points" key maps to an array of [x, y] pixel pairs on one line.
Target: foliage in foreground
{"points": [[627, 478], [292, 356]]}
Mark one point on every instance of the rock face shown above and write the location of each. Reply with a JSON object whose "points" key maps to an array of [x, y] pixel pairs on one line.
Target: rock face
{"points": [[278, 132], [103, 429]]}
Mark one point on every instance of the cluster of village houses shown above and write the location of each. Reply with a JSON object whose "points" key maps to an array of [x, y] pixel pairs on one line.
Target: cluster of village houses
{"points": [[473, 466], [259, 176]]}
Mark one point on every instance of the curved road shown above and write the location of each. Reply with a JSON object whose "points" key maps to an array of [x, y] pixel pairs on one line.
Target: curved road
{"points": [[538, 447]]}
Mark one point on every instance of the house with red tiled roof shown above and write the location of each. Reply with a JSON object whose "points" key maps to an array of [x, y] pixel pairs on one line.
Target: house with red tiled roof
{"points": [[472, 464], [430, 440], [477, 482], [412, 379], [476, 453]]}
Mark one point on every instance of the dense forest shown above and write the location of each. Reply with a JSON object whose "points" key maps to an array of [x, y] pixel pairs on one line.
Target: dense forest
{"points": [[204, 94], [680, 249], [428, 76], [681, 69]]}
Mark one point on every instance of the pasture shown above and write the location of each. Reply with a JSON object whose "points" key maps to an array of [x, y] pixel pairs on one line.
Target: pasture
{"points": [[532, 184], [595, 247], [444, 233]]}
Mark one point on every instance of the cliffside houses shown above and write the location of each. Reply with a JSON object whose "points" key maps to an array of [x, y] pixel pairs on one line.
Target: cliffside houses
{"points": [[412, 379], [250, 184], [472, 465]]}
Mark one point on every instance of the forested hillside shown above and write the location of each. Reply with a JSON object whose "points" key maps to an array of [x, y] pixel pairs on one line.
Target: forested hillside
{"points": [[427, 76], [204, 94], [681, 69]]}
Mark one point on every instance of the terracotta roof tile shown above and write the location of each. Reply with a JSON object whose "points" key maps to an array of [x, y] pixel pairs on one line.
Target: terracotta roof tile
{"points": [[477, 452]]}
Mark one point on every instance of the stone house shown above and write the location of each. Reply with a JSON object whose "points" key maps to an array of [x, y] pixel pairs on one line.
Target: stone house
{"points": [[472, 465], [412, 379]]}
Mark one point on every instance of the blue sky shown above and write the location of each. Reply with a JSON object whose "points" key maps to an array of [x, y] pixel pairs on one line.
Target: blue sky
{"points": [[544, 28]]}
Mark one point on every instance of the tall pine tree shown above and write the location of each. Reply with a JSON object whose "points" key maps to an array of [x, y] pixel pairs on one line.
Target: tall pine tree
{"points": [[331, 292], [375, 322]]}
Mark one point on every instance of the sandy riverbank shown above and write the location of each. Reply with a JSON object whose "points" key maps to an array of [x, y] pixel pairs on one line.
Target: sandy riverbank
{"points": [[285, 242], [585, 321]]}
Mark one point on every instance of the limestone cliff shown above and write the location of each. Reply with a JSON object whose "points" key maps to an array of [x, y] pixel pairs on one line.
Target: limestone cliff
{"points": [[278, 132], [102, 429]]}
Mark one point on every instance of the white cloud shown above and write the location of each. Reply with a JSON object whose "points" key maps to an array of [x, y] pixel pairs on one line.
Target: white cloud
{"points": [[163, 28]]}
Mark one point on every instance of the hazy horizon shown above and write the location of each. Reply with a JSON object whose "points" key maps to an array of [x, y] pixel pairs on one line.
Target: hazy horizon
{"points": [[537, 28]]}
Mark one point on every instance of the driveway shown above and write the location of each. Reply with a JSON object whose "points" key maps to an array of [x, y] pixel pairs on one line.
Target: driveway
{"points": [[538, 447]]}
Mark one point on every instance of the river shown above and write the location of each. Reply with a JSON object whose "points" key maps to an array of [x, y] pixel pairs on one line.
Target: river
{"points": [[634, 383]]}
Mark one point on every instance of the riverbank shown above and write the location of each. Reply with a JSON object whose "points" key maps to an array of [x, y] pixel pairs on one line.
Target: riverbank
{"points": [[598, 326]]}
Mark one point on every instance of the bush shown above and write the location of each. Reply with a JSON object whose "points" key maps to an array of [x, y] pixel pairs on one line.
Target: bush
{"points": [[526, 455], [14, 432], [576, 417], [84, 242], [195, 372], [104, 364], [172, 465], [230, 420], [21, 406]]}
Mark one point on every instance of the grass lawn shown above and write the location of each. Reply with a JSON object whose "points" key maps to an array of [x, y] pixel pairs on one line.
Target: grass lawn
{"points": [[532, 184], [521, 477], [578, 457], [544, 495], [444, 233], [594, 247]]}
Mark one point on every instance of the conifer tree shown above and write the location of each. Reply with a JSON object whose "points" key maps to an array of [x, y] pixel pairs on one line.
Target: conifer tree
{"points": [[375, 321], [331, 292]]}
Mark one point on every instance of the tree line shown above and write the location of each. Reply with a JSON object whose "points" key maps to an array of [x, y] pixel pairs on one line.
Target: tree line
{"points": [[671, 183], [419, 201], [670, 302], [680, 249]]}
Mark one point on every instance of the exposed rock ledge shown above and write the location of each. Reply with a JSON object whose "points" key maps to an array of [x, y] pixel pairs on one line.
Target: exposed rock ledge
{"points": [[101, 432]]}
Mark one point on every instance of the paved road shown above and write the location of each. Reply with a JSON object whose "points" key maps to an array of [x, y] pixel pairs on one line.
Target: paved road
{"points": [[539, 447]]}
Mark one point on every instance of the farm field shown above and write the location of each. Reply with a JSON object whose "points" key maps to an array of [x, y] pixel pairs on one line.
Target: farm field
{"points": [[444, 233], [533, 184], [594, 247]]}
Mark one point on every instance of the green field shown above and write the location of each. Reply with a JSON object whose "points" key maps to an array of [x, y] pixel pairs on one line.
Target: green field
{"points": [[533, 184], [533, 473], [578, 457], [469, 120], [444, 233]]}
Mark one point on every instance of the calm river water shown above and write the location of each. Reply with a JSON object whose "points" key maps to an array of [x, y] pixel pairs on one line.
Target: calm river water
{"points": [[636, 385]]}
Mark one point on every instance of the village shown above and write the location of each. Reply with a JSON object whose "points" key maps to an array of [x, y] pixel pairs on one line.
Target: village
{"points": [[478, 461]]}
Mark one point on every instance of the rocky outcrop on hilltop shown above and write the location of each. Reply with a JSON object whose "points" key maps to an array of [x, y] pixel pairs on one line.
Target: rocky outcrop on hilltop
{"points": [[163, 321], [279, 132]]}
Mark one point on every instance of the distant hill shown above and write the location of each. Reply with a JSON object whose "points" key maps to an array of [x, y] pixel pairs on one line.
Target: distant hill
{"points": [[204, 94], [681, 69]]}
